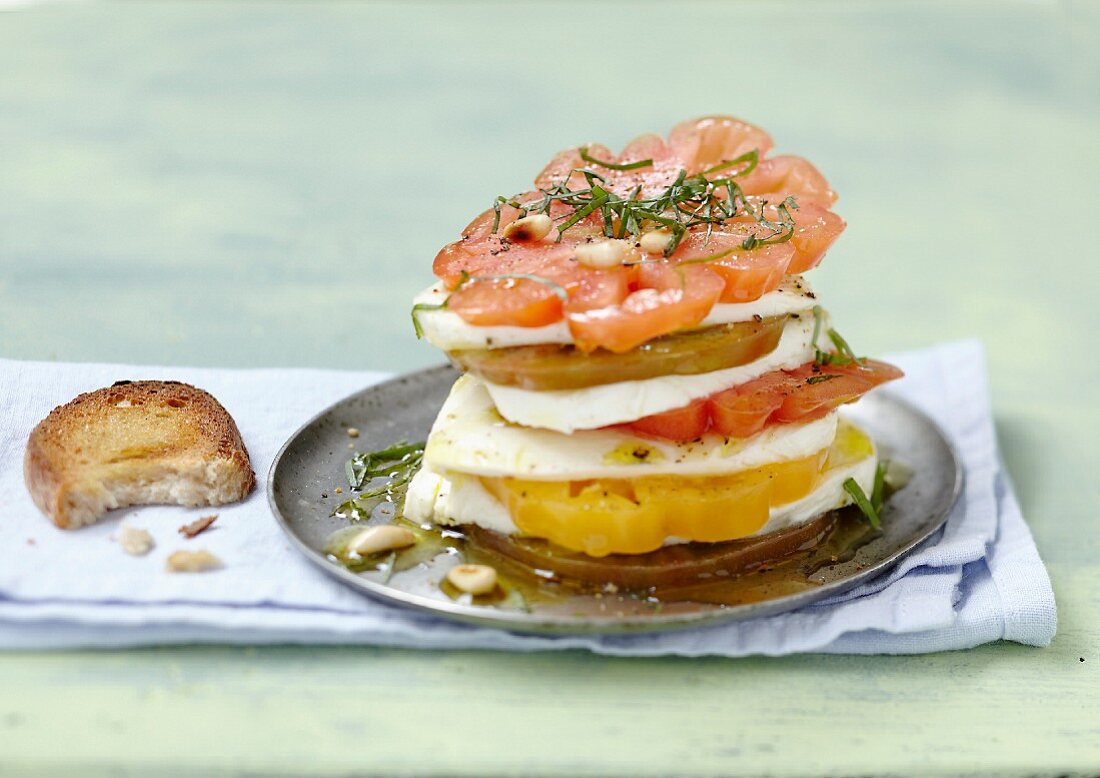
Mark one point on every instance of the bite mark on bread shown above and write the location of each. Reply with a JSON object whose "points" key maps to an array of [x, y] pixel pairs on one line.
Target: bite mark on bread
{"points": [[135, 443]]}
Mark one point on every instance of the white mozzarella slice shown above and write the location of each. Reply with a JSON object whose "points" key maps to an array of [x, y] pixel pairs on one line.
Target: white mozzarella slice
{"points": [[469, 436], [447, 331], [454, 498], [566, 410], [827, 496]]}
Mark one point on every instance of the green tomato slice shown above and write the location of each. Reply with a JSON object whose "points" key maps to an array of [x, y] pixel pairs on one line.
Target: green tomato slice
{"points": [[671, 567], [556, 366]]}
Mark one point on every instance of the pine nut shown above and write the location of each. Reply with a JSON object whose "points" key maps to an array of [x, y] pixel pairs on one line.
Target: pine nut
{"points": [[897, 474], [384, 537], [655, 241], [528, 229], [473, 579], [192, 562], [603, 255]]}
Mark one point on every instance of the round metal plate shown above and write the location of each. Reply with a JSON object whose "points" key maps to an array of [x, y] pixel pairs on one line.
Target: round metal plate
{"points": [[312, 462]]}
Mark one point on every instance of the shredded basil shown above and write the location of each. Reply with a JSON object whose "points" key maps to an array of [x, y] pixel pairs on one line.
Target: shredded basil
{"points": [[861, 501], [416, 309], [363, 467], [878, 490], [750, 159], [613, 166], [689, 201]]}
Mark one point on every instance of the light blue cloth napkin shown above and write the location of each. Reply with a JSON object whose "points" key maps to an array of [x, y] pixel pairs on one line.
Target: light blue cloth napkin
{"points": [[981, 581]]}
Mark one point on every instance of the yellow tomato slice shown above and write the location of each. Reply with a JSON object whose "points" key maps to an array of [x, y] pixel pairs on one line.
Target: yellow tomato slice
{"points": [[619, 516]]}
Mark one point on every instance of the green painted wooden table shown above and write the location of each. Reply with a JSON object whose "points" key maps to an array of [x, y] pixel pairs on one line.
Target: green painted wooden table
{"points": [[267, 184]]}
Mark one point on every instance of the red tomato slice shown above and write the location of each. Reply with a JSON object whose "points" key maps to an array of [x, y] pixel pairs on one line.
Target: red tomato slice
{"points": [[781, 176], [615, 308], [513, 301], [694, 145], [704, 143], [748, 275], [524, 302], [820, 390], [648, 146], [595, 289], [816, 229], [685, 423], [495, 257], [451, 261], [565, 162], [743, 411], [667, 299], [780, 397]]}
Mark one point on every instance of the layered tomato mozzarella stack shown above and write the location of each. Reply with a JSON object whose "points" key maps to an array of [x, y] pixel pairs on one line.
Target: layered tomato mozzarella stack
{"points": [[644, 362]]}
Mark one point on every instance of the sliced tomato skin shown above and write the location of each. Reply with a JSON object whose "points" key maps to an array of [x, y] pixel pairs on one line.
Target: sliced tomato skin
{"points": [[711, 140], [485, 301], [780, 397], [599, 289], [782, 176], [749, 275], [744, 410], [694, 146], [451, 261], [516, 302], [567, 163], [816, 229], [821, 389], [685, 423], [648, 146], [667, 299]]}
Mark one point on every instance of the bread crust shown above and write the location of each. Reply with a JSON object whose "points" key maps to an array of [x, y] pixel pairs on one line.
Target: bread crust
{"points": [[135, 442]]}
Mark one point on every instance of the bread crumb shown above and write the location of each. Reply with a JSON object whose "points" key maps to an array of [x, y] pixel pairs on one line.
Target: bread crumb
{"points": [[197, 526], [339, 490], [353, 432], [192, 562], [134, 540], [30, 541]]}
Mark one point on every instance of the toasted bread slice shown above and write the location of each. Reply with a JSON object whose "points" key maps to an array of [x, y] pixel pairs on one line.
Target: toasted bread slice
{"points": [[135, 443]]}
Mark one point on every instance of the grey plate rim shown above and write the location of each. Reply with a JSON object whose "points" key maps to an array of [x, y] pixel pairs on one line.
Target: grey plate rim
{"points": [[531, 623]]}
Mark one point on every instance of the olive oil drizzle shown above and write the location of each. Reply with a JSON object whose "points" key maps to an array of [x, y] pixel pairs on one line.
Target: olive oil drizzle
{"points": [[522, 587]]}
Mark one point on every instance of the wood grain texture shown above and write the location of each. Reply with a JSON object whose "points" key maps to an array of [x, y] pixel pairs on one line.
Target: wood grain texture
{"points": [[266, 185]]}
